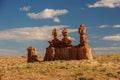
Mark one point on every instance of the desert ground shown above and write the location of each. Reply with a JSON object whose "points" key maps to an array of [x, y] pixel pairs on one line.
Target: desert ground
{"points": [[103, 67]]}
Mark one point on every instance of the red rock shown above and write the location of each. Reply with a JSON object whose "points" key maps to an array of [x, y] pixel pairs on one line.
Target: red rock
{"points": [[84, 52], [49, 55], [32, 54], [63, 50], [62, 53], [73, 53]]}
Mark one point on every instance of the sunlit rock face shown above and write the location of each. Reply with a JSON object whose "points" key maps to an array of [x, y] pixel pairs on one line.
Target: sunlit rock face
{"points": [[32, 54], [66, 42], [64, 50]]}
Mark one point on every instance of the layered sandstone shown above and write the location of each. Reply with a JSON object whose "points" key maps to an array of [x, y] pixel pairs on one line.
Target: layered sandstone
{"points": [[64, 50], [32, 54]]}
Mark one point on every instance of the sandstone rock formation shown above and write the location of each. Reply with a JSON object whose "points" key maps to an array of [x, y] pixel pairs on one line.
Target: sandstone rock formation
{"points": [[82, 33], [64, 50], [49, 55], [66, 42], [84, 51], [55, 42], [62, 53], [32, 54]]}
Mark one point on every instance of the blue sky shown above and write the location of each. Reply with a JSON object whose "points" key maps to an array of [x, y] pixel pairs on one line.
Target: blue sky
{"points": [[29, 22]]}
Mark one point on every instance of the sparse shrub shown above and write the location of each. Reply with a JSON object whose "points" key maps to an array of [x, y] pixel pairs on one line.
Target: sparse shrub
{"points": [[62, 67], [118, 72], [90, 79], [108, 55], [110, 75], [79, 74], [28, 67], [103, 70], [1, 76], [93, 69], [82, 78]]}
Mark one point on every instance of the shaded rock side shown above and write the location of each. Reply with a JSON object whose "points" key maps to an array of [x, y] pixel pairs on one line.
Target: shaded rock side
{"points": [[62, 53], [49, 55], [73, 53], [84, 52]]}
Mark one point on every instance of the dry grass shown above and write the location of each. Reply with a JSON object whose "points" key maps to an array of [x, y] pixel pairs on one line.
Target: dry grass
{"points": [[103, 67]]}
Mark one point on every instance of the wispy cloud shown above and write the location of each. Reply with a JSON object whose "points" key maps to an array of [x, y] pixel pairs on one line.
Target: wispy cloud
{"points": [[72, 30], [106, 3], [106, 50], [48, 14], [31, 33], [112, 38], [116, 26], [56, 19], [109, 26], [103, 26], [25, 8]]}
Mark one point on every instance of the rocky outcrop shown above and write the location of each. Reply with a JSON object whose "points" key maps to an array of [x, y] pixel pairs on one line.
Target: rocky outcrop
{"points": [[49, 55], [71, 53], [84, 52], [32, 54], [62, 53], [64, 50], [65, 42]]}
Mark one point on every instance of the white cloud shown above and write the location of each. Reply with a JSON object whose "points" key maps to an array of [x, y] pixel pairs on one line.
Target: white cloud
{"points": [[116, 26], [48, 14], [113, 37], [106, 26], [56, 19], [25, 8], [31, 33], [103, 26], [72, 38], [106, 3], [106, 50], [72, 30], [69, 31]]}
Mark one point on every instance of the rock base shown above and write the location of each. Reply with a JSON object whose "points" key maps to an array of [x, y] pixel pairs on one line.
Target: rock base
{"points": [[68, 53]]}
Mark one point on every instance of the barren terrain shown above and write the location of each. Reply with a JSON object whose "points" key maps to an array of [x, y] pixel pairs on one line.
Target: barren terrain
{"points": [[103, 67]]}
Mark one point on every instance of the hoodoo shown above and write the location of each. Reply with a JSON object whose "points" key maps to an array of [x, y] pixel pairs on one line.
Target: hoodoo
{"points": [[32, 54], [64, 50]]}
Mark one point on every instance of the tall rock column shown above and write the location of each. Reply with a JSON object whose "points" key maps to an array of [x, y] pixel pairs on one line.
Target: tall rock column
{"points": [[32, 54], [63, 52], [55, 42], [49, 55], [84, 50], [66, 42], [50, 51]]}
